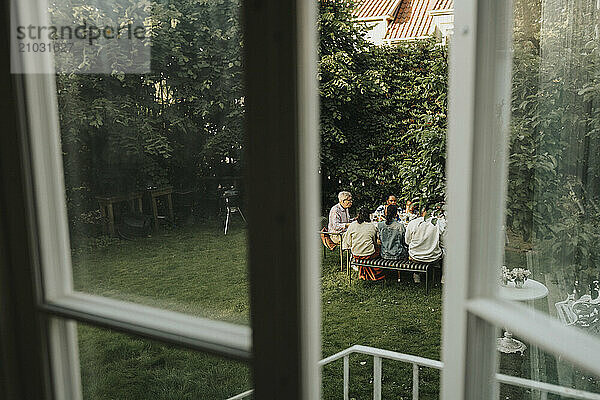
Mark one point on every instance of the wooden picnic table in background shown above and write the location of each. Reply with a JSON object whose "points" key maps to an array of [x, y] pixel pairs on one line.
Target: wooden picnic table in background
{"points": [[156, 193], [106, 204]]}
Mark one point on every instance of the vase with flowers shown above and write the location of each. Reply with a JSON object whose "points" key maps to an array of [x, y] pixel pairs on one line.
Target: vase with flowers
{"points": [[519, 276]]}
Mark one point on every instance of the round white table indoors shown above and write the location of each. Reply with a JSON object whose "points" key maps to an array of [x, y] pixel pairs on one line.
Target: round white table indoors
{"points": [[531, 290]]}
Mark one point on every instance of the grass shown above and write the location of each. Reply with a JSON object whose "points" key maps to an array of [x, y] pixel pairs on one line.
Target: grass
{"points": [[191, 270], [199, 271], [120, 367], [397, 317]]}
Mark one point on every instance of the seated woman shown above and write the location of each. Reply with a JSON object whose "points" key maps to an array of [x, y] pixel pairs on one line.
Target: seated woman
{"points": [[391, 233], [361, 239]]}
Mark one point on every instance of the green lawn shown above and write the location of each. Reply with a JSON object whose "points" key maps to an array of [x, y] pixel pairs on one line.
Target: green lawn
{"points": [[199, 271], [192, 270]]}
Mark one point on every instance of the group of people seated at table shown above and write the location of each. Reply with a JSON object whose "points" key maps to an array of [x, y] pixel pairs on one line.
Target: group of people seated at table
{"points": [[410, 234]]}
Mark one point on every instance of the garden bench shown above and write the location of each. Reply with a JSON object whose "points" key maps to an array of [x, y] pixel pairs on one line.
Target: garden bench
{"points": [[406, 265]]}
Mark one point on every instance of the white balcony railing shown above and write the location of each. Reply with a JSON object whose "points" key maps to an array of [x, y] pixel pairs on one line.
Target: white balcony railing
{"points": [[378, 354]]}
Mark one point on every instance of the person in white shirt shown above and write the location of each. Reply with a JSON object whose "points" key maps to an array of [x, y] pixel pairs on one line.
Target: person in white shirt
{"points": [[424, 240]]}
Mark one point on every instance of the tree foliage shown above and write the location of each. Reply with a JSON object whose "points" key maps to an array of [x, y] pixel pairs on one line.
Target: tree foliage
{"points": [[182, 121], [383, 114], [383, 110], [554, 177]]}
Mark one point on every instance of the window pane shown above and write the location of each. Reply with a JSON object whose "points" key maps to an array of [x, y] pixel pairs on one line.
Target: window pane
{"points": [[118, 366], [152, 161], [552, 222], [383, 138], [553, 213], [539, 366]]}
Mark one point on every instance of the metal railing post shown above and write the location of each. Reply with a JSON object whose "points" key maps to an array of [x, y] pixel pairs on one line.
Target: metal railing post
{"points": [[415, 382], [376, 378], [346, 377]]}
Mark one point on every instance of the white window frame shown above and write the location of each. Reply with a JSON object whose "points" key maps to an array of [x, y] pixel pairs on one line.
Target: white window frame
{"points": [[479, 112], [286, 50]]}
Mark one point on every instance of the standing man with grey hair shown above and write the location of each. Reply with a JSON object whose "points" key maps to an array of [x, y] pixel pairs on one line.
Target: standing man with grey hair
{"points": [[339, 217]]}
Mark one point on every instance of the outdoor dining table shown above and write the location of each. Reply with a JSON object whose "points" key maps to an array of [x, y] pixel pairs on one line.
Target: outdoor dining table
{"points": [[155, 193], [531, 290], [107, 202], [375, 220]]}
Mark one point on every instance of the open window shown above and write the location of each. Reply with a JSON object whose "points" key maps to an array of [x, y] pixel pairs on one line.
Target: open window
{"points": [[44, 296], [520, 72], [70, 292]]}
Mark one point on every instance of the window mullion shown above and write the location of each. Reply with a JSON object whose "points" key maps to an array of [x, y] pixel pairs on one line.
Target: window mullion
{"points": [[48, 183], [543, 330], [282, 172], [64, 349], [309, 187], [45, 151], [479, 110], [23, 345], [216, 337]]}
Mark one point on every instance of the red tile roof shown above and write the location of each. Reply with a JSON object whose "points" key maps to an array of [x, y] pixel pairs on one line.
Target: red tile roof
{"points": [[444, 5], [412, 19], [375, 8]]}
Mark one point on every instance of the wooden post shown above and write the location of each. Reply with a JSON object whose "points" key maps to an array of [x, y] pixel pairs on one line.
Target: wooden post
{"points": [[170, 204], [103, 213], [154, 212], [111, 219], [102, 210]]}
